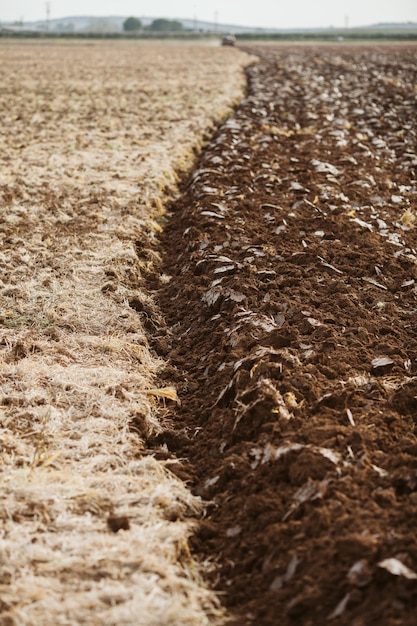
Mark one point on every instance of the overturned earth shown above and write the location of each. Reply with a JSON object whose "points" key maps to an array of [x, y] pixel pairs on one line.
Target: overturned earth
{"points": [[289, 293]]}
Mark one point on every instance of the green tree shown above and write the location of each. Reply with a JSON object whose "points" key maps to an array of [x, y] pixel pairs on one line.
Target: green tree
{"points": [[165, 25], [132, 24]]}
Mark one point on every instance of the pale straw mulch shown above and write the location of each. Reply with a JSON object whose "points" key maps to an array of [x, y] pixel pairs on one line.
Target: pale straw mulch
{"points": [[92, 138]]}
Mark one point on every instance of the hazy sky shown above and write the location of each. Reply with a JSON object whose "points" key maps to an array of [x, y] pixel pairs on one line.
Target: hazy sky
{"points": [[273, 13]]}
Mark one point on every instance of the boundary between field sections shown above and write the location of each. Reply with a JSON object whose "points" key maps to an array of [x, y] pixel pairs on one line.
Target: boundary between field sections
{"points": [[184, 333]]}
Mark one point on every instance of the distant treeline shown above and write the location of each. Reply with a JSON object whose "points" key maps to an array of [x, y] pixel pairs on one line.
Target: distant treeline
{"points": [[256, 36], [331, 36], [111, 35]]}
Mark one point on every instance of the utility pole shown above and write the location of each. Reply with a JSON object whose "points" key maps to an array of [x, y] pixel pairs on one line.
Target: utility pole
{"points": [[216, 21], [48, 14]]}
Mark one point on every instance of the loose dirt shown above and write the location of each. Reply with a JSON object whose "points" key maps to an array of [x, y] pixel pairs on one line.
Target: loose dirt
{"points": [[292, 340]]}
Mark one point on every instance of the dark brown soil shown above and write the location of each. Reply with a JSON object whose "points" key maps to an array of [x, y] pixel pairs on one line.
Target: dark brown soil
{"points": [[293, 340]]}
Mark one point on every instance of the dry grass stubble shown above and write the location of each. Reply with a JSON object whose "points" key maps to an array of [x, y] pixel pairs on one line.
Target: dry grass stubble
{"points": [[93, 136]]}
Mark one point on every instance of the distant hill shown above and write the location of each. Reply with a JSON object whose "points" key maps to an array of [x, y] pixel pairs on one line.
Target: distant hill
{"points": [[397, 26], [113, 23]]}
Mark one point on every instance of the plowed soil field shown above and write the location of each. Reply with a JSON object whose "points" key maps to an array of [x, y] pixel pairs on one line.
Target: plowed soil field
{"points": [[292, 340]]}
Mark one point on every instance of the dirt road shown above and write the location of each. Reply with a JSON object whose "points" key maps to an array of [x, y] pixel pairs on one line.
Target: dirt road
{"points": [[292, 340]]}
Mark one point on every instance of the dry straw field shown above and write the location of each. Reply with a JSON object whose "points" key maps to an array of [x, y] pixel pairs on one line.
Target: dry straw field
{"points": [[94, 530]]}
